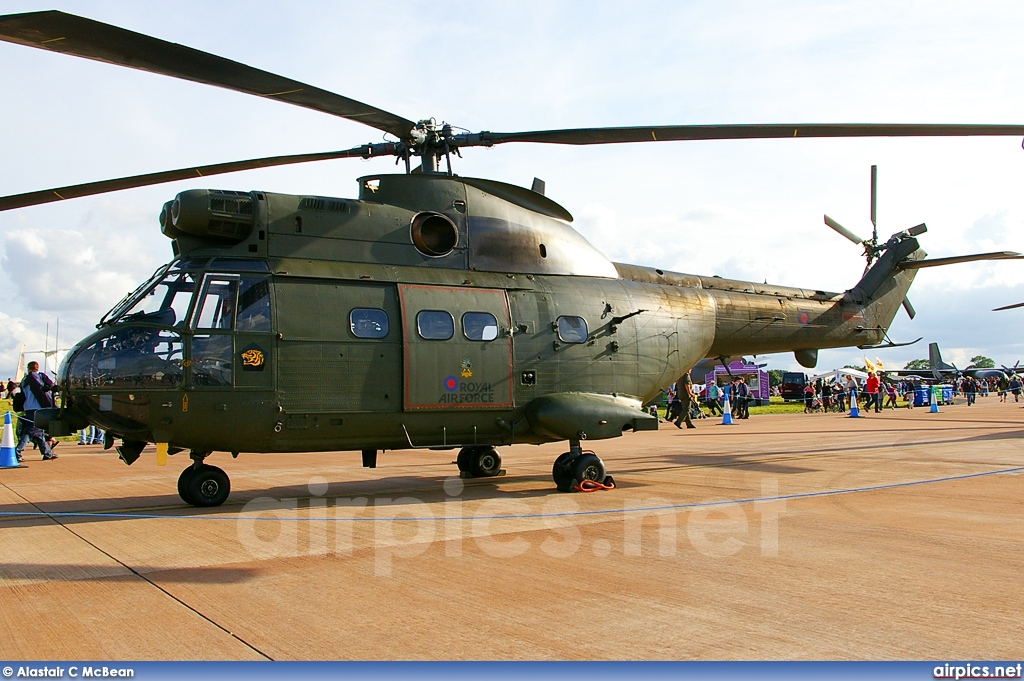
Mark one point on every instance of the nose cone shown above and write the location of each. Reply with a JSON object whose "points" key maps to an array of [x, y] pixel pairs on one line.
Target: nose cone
{"points": [[127, 358]]}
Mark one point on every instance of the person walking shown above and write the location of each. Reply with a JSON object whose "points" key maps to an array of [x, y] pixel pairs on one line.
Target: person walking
{"points": [[890, 393], [851, 388], [684, 396], [1015, 387], [872, 387], [734, 394], [743, 398], [671, 403], [37, 387], [90, 435], [711, 396], [839, 396]]}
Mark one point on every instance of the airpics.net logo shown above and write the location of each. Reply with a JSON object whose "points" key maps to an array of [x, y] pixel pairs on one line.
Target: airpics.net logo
{"points": [[555, 525], [972, 670]]}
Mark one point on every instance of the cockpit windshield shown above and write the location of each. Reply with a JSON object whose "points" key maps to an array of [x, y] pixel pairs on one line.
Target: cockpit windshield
{"points": [[122, 304], [164, 302]]}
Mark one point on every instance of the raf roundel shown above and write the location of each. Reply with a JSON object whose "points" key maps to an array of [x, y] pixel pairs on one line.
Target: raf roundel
{"points": [[804, 317], [451, 384]]}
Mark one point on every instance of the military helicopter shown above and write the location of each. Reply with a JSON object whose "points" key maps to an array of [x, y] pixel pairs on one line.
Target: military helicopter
{"points": [[432, 311]]}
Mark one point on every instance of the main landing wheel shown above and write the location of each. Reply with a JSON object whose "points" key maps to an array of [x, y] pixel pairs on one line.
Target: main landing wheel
{"points": [[479, 461], [205, 486], [588, 467], [572, 467]]}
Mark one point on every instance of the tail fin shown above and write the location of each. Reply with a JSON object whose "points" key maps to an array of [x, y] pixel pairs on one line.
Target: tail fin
{"points": [[883, 288], [878, 279], [935, 362]]}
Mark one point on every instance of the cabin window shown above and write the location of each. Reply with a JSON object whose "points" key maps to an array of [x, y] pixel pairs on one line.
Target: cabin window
{"points": [[572, 329], [217, 307], [479, 326], [368, 322], [435, 324], [253, 305]]}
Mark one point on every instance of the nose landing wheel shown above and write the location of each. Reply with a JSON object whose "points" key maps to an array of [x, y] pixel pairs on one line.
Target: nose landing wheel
{"points": [[203, 486]]}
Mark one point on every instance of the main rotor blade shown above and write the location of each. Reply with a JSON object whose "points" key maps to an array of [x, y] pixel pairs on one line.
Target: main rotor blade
{"points": [[668, 133], [842, 230], [102, 187], [1008, 307], [81, 37], [938, 262]]}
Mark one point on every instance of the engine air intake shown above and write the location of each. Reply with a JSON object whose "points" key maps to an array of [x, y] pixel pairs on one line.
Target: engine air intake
{"points": [[434, 234], [226, 216]]}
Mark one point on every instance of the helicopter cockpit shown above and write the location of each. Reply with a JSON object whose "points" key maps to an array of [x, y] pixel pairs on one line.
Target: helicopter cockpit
{"points": [[176, 329]]}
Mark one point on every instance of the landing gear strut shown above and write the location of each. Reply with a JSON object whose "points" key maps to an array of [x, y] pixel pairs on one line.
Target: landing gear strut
{"points": [[479, 461], [202, 485], [576, 466]]}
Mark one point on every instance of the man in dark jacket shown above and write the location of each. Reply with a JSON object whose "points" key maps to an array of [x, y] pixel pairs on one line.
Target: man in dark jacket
{"points": [[742, 399], [684, 393], [37, 388]]}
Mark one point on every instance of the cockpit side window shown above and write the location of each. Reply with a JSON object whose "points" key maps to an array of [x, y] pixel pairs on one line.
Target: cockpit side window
{"points": [[253, 305], [216, 309]]}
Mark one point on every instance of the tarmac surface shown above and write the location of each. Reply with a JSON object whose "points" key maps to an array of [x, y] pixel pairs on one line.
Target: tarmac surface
{"points": [[893, 536]]}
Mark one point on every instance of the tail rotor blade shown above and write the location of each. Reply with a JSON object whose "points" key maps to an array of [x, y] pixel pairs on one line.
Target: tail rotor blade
{"points": [[842, 230], [909, 308]]}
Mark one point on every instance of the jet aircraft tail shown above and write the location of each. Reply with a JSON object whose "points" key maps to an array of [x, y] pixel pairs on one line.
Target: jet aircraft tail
{"points": [[936, 364]]}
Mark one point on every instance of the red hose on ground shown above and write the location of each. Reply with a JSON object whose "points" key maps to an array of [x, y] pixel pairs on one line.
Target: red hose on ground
{"points": [[594, 485]]}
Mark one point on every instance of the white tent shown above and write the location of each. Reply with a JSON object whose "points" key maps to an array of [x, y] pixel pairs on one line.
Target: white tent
{"points": [[840, 373], [19, 373]]}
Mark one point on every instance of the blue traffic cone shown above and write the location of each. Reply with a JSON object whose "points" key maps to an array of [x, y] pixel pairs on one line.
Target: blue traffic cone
{"points": [[933, 401], [8, 455], [726, 412], [854, 411]]}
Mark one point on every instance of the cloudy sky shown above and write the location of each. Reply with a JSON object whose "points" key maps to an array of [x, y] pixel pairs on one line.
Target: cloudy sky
{"points": [[743, 209]]}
